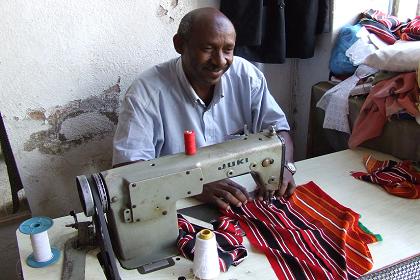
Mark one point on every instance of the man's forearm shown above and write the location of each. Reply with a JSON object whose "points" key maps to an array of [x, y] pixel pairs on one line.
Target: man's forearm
{"points": [[289, 145]]}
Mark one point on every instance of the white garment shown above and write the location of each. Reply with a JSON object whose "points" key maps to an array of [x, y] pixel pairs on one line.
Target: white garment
{"points": [[161, 104], [335, 102]]}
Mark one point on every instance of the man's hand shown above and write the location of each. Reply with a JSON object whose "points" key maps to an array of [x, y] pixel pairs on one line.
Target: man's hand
{"points": [[286, 188], [224, 193]]}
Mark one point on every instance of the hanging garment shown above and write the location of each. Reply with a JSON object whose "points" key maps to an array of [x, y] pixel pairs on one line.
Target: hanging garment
{"points": [[268, 31], [308, 236], [228, 236], [397, 178]]}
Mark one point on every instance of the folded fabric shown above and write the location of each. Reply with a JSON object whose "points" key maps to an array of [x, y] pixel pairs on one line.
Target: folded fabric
{"points": [[308, 236], [339, 63], [397, 178], [228, 236], [383, 25], [411, 32], [400, 57], [386, 98]]}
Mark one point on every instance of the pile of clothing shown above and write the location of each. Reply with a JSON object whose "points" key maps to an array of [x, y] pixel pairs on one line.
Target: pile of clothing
{"points": [[378, 57]]}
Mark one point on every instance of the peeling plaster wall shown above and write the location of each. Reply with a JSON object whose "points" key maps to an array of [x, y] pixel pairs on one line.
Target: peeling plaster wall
{"points": [[64, 66]]}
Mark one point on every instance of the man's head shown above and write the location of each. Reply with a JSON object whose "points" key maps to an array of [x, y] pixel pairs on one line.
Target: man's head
{"points": [[205, 40]]}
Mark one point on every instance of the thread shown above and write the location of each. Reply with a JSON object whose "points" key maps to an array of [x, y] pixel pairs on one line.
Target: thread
{"points": [[43, 254], [41, 247], [189, 142], [206, 259]]}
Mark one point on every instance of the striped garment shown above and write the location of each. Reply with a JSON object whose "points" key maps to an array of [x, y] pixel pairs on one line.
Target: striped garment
{"points": [[229, 237], [308, 236], [397, 178], [382, 25], [411, 32]]}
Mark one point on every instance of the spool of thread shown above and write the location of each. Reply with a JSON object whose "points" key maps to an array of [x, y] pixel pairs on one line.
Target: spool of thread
{"points": [[206, 259], [43, 254], [189, 142]]}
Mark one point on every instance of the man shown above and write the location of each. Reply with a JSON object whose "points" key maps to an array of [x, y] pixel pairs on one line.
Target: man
{"points": [[206, 90]]}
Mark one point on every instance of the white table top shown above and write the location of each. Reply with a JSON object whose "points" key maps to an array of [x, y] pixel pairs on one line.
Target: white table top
{"points": [[396, 219]]}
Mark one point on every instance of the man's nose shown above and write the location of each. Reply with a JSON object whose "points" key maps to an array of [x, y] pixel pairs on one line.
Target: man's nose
{"points": [[219, 58]]}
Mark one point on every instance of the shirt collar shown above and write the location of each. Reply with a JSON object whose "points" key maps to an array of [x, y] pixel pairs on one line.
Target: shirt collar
{"points": [[218, 89]]}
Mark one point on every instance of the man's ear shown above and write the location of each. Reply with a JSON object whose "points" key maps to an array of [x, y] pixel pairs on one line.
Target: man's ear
{"points": [[178, 43]]}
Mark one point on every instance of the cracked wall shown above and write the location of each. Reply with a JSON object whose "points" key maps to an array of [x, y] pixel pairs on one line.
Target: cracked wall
{"points": [[75, 123], [63, 70]]}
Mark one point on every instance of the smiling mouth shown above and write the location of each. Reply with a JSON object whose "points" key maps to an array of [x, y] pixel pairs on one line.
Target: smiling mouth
{"points": [[215, 72]]}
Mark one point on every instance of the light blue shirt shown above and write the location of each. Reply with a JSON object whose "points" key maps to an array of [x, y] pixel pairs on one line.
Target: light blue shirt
{"points": [[161, 104]]}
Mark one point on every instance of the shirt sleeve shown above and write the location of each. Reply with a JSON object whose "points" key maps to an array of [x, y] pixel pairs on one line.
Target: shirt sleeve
{"points": [[265, 110], [137, 132]]}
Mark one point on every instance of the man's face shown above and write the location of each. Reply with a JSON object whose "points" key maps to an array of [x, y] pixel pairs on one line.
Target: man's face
{"points": [[208, 53]]}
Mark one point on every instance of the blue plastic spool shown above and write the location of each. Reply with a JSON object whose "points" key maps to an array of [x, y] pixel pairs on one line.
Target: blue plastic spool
{"points": [[37, 225]]}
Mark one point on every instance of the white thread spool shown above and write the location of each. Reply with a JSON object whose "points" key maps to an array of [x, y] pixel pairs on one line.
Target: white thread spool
{"points": [[43, 254], [206, 259]]}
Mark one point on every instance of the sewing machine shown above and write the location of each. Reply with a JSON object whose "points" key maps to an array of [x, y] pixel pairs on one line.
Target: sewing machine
{"points": [[139, 200]]}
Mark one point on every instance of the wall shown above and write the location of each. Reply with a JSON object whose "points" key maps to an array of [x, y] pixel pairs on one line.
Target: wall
{"points": [[63, 67]]}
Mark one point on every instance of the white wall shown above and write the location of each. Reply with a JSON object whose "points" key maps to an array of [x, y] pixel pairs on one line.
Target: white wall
{"points": [[63, 67]]}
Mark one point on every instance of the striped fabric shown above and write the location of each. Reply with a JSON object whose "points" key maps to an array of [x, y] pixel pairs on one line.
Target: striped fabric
{"points": [[384, 26], [389, 21], [228, 236], [411, 32], [308, 236], [397, 178]]}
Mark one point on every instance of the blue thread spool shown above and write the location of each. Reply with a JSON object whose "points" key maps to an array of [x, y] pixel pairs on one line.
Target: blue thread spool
{"points": [[43, 254]]}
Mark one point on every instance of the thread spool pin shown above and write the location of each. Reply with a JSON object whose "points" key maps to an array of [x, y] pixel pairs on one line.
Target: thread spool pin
{"points": [[43, 254]]}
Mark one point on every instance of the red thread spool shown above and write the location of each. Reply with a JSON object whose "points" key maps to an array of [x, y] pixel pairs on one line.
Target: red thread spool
{"points": [[189, 142]]}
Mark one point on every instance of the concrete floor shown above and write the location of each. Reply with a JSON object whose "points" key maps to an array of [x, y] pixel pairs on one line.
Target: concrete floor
{"points": [[9, 254]]}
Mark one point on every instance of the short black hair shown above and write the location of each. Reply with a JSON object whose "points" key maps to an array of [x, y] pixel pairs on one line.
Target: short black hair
{"points": [[185, 26]]}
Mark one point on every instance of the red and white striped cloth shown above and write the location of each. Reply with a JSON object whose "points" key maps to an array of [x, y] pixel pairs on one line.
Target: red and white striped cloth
{"points": [[397, 178], [229, 237], [308, 236]]}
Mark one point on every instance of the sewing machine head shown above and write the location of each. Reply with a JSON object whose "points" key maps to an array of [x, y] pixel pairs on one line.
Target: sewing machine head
{"points": [[139, 200]]}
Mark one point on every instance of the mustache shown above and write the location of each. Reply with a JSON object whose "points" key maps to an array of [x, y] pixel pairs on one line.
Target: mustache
{"points": [[215, 68]]}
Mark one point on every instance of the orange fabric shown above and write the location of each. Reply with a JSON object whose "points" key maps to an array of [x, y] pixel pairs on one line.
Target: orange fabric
{"points": [[397, 178], [386, 98]]}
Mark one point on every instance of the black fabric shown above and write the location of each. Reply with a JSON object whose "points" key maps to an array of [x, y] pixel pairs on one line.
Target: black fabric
{"points": [[260, 29], [302, 20], [268, 31]]}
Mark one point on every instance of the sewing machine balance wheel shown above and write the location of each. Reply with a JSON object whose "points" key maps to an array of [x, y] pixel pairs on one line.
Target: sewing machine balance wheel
{"points": [[84, 185], [94, 200]]}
